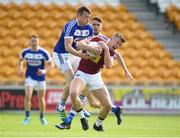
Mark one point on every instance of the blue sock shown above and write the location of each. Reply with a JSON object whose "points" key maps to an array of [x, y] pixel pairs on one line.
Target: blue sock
{"points": [[114, 108], [27, 113], [41, 115], [71, 116], [66, 120]]}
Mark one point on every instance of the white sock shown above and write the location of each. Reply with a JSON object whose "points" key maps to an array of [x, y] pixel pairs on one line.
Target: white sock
{"points": [[81, 113], [99, 122], [61, 105]]}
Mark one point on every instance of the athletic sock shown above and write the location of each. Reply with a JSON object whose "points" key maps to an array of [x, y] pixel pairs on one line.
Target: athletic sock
{"points": [[27, 114], [61, 105], [99, 121], [72, 114], [41, 115], [81, 113], [82, 98]]}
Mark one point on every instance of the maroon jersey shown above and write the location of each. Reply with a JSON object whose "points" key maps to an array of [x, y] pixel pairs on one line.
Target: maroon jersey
{"points": [[93, 66]]}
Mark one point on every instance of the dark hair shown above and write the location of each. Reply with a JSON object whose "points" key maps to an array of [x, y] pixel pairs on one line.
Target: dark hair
{"points": [[99, 19], [34, 36], [83, 9]]}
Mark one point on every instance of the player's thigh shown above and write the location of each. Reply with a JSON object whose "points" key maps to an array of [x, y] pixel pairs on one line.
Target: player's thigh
{"points": [[77, 85], [91, 98], [64, 65], [68, 74], [94, 81], [102, 95], [29, 85], [40, 85], [74, 61]]}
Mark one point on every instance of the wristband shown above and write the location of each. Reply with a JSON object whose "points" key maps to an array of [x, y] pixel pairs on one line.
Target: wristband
{"points": [[43, 71]]}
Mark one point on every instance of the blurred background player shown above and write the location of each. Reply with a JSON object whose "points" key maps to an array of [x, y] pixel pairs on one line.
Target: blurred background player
{"points": [[35, 57], [66, 55]]}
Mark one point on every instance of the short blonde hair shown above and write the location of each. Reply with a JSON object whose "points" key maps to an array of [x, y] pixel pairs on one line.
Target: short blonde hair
{"points": [[33, 36], [120, 36]]}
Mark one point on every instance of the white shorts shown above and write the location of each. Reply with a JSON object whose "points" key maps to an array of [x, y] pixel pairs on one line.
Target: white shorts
{"points": [[66, 61], [92, 81], [37, 85]]}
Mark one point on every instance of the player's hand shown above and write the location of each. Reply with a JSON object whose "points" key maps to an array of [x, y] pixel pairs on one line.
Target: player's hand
{"points": [[86, 40], [21, 74], [41, 72], [86, 56], [128, 75], [97, 50]]}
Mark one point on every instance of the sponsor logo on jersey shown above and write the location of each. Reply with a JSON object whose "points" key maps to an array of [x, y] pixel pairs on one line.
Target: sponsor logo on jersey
{"points": [[81, 33], [32, 62]]}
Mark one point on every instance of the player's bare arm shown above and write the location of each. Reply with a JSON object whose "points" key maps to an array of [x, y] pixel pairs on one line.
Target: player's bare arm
{"points": [[108, 60], [121, 62], [20, 67], [68, 47], [83, 44]]}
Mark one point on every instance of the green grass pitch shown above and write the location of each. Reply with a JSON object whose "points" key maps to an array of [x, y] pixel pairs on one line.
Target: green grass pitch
{"points": [[133, 126]]}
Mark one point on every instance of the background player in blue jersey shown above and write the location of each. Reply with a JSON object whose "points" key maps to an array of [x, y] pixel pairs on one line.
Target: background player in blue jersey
{"points": [[66, 55], [35, 57]]}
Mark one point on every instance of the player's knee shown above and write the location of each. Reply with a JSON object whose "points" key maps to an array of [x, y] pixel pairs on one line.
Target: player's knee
{"points": [[27, 98], [41, 100], [73, 94]]}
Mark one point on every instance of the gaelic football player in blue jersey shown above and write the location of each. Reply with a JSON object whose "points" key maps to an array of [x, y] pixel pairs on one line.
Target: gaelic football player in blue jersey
{"points": [[66, 55], [35, 57]]}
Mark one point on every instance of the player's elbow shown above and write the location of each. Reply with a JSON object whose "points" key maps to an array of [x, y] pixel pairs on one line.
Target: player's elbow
{"points": [[67, 48]]}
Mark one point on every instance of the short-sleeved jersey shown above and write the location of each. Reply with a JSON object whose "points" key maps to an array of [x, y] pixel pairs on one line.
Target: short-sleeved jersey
{"points": [[73, 30], [35, 60], [93, 66]]}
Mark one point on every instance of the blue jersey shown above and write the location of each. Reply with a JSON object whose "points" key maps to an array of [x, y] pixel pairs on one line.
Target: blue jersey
{"points": [[74, 31], [35, 60]]}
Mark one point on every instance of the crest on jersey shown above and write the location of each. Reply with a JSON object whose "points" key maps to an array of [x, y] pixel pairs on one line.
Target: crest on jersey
{"points": [[83, 33], [77, 33]]}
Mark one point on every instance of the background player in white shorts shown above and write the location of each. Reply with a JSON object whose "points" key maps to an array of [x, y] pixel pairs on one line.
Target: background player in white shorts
{"points": [[35, 57]]}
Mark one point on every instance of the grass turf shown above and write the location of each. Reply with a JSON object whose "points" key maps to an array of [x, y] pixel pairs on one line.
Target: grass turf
{"points": [[132, 126]]}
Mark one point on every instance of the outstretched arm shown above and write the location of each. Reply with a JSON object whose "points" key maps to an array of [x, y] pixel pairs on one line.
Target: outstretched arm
{"points": [[123, 65]]}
